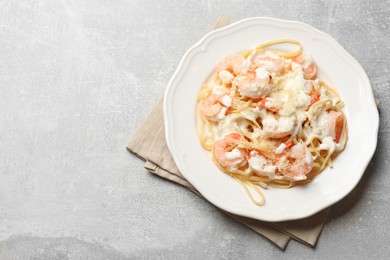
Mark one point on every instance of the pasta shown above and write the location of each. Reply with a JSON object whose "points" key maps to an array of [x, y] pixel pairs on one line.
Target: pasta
{"points": [[268, 121]]}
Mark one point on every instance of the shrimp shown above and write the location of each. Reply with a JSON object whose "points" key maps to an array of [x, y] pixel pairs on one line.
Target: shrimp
{"points": [[254, 84], [215, 106], [230, 67], [309, 87], [261, 165], [328, 124], [278, 128], [226, 152], [271, 104], [270, 64], [335, 125], [296, 162], [309, 68]]}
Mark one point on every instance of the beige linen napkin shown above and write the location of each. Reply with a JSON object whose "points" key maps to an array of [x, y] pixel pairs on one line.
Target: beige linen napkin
{"points": [[149, 144]]}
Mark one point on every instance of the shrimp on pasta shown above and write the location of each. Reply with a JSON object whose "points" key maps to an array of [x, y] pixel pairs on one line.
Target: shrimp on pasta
{"points": [[267, 119]]}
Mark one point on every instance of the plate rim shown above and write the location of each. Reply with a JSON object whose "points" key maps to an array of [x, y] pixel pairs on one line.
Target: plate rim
{"points": [[200, 46]]}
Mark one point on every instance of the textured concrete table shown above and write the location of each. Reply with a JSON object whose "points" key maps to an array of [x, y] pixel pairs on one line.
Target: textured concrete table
{"points": [[76, 80]]}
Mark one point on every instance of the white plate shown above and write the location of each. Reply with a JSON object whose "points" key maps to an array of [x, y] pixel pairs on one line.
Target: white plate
{"points": [[335, 65]]}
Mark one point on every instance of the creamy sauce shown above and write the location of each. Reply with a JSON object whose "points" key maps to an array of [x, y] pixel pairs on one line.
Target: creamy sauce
{"points": [[234, 154], [281, 108], [280, 148], [328, 144], [261, 166]]}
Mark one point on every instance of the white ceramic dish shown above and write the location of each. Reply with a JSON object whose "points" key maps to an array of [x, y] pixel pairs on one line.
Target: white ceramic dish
{"points": [[335, 65]]}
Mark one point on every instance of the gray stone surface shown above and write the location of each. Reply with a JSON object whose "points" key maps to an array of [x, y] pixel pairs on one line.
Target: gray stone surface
{"points": [[76, 80]]}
